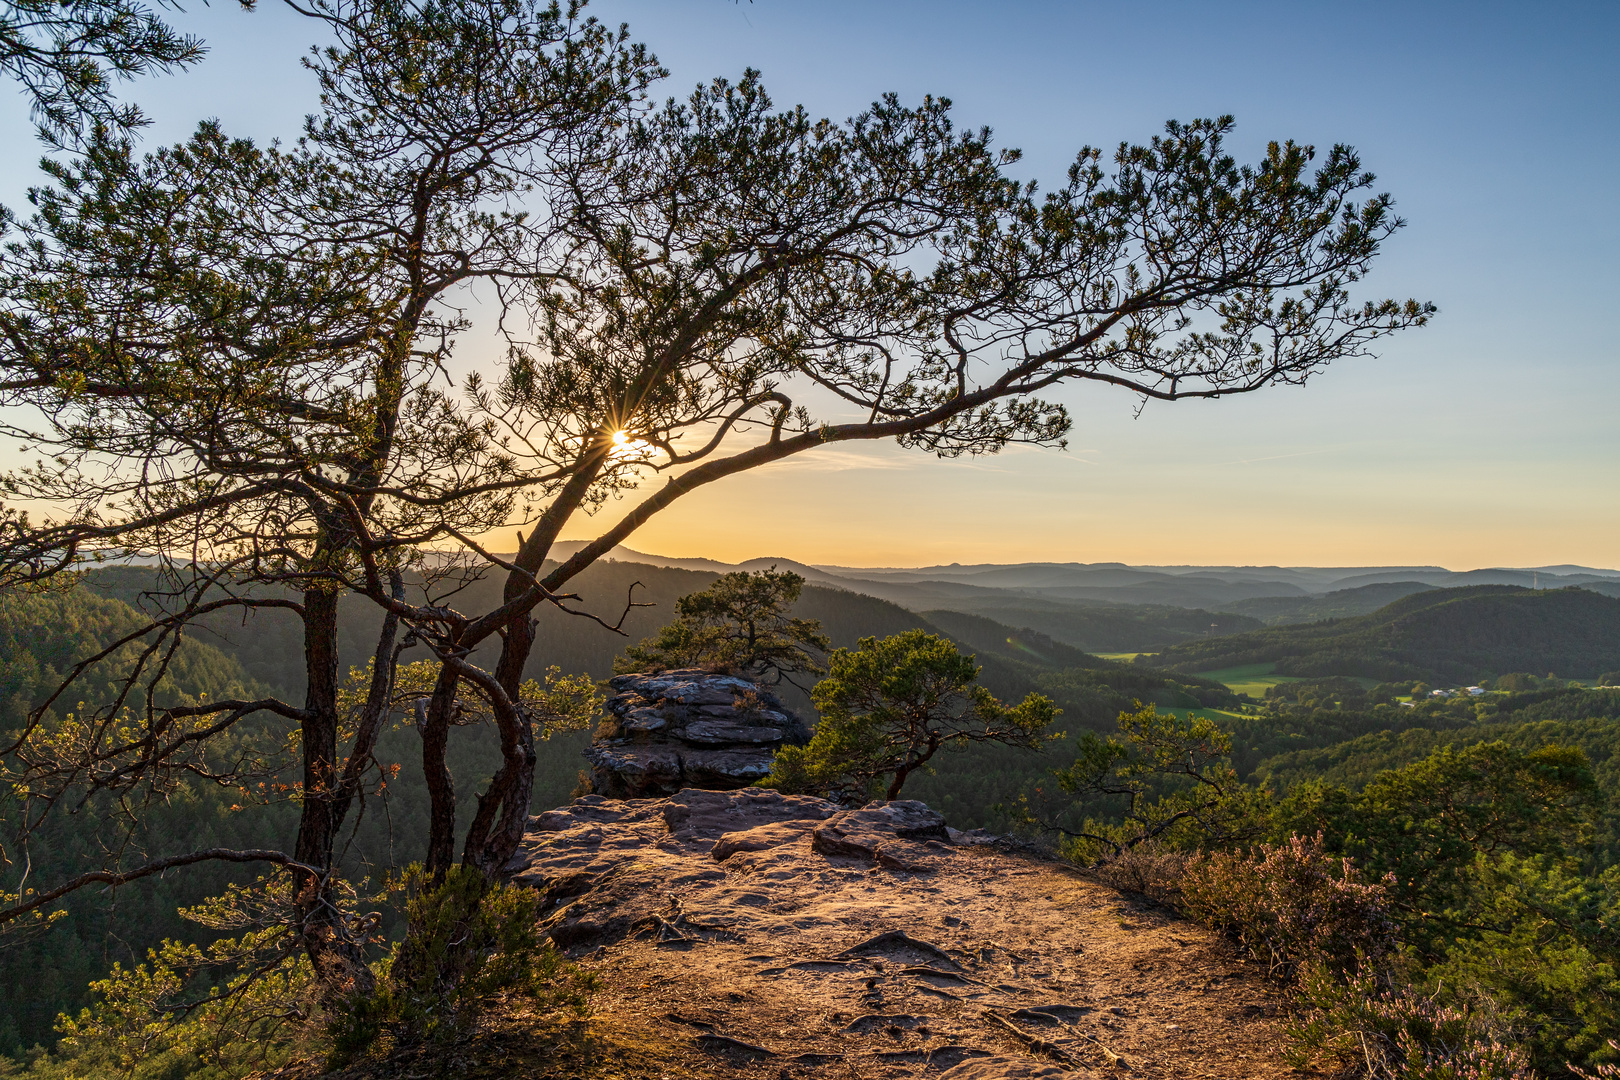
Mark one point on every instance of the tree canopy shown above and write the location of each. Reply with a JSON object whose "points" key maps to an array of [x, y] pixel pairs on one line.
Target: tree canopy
{"points": [[234, 358], [67, 54], [743, 623], [890, 705]]}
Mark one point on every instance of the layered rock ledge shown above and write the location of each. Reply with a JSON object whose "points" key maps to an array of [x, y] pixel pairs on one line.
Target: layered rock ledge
{"points": [[687, 729], [752, 934]]}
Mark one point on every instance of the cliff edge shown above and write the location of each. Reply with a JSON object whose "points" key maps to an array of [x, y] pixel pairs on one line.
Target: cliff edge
{"points": [[748, 933]]}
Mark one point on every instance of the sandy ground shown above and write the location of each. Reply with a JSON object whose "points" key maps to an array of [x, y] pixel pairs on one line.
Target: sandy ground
{"points": [[863, 945]]}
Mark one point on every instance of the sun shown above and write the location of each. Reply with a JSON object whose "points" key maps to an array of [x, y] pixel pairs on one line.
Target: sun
{"points": [[626, 446]]}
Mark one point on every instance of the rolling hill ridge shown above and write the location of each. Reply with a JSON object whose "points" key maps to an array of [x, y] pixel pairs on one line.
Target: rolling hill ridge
{"points": [[1449, 635]]}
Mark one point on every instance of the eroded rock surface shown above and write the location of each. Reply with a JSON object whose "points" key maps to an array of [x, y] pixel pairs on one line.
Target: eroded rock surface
{"points": [[782, 936], [687, 729]]}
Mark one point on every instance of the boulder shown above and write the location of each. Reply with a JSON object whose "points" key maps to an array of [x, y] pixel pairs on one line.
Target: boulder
{"points": [[760, 838], [894, 834]]}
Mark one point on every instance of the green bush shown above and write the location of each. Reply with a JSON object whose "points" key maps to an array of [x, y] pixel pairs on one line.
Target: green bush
{"points": [[1453, 918], [1428, 822], [467, 942], [1166, 780], [742, 623], [888, 707]]}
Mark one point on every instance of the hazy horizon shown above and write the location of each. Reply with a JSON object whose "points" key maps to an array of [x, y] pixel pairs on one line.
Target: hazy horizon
{"points": [[1485, 440], [629, 552]]}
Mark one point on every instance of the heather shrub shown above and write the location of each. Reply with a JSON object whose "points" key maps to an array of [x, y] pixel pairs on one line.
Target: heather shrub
{"points": [[1451, 918], [1151, 869], [1369, 1018], [1292, 906], [1315, 921], [1604, 1071]]}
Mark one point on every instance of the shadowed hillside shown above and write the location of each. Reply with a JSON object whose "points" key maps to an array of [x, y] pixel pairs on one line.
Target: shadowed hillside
{"points": [[1340, 604], [1450, 635]]}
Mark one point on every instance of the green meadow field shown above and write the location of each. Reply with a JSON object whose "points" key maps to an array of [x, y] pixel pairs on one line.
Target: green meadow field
{"points": [[1251, 679]]}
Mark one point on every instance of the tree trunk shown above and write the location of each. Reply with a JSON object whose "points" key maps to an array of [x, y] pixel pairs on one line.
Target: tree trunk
{"points": [[518, 639], [434, 727], [338, 962], [497, 827], [378, 705], [516, 645], [906, 768], [900, 775]]}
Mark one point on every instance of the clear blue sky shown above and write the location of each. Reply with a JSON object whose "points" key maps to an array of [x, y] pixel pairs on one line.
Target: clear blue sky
{"points": [[1490, 438]]}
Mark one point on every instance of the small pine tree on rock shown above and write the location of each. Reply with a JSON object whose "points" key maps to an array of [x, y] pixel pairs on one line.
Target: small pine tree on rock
{"points": [[742, 624], [889, 706]]}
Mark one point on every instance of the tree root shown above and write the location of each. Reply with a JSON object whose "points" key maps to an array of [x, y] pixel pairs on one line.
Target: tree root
{"points": [[1052, 1050]]}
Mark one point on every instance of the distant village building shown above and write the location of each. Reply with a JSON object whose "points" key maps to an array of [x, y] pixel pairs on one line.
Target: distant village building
{"points": [[1474, 691]]}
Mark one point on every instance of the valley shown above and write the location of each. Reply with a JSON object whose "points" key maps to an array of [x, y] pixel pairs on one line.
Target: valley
{"points": [[1326, 701]]}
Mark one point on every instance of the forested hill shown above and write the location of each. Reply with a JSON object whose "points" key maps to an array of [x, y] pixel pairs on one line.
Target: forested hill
{"points": [[1448, 635], [1339, 604], [267, 646], [44, 635]]}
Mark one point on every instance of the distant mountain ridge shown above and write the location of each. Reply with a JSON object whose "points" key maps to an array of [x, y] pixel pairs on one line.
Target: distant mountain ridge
{"points": [[1115, 607], [1339, 604], [1289, 580]]}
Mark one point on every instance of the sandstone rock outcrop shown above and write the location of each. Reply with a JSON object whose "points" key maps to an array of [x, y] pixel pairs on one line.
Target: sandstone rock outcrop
{"points": [[752, 934], [687, 729]]}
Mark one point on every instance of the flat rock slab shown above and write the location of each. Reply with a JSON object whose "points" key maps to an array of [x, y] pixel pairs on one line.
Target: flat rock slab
{"points": [[696, 815], [999, 1067], [760, 838], [722, 932], [894, 834]]}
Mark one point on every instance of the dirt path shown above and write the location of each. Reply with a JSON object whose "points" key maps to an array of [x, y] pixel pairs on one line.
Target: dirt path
{"points": [[864, 945]]}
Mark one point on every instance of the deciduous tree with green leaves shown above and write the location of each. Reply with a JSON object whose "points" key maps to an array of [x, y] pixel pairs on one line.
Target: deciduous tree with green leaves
{"points": [[890, 705]]}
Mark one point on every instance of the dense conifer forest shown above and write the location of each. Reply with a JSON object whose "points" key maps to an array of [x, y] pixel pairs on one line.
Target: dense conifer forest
{"points": [[1312, 744]]}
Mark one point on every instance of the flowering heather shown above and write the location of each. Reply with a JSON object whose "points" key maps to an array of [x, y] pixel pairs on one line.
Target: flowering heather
{"points": [[1292, 905], [1397, 1033]]}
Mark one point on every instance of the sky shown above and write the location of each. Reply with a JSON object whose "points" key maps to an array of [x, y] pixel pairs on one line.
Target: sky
{"points": [[1489, 438]]}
